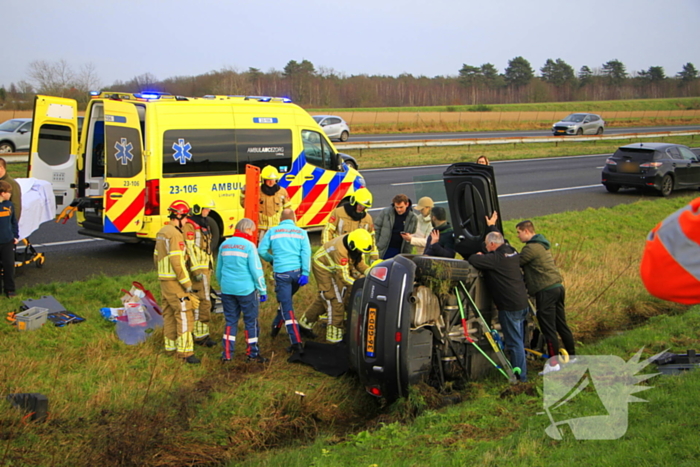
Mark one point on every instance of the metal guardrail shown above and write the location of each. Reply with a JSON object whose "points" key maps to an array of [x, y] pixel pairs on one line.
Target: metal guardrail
{"points": [[24, 157], [513, 140]]}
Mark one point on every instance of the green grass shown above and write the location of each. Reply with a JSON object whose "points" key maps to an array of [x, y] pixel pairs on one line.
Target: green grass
{"points": [[501, 427], [114, 404], [688, 103]]}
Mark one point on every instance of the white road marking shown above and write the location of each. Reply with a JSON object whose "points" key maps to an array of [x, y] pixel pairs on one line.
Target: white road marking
{"points": [[68, 242]]}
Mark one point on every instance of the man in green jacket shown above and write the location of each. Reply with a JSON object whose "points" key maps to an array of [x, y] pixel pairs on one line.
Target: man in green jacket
{"points": [[544, 282]]}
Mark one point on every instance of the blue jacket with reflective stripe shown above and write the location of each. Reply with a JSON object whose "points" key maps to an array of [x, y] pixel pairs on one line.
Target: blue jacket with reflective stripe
{"points": [[238, 268], [287, 247]]}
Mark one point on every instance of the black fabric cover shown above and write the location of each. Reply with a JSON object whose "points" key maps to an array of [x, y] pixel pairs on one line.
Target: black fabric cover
{"points": [[331, 359]]}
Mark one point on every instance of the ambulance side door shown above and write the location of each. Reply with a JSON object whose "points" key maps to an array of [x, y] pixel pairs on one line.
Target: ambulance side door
{"points": [[125, 169], [53, 154]]}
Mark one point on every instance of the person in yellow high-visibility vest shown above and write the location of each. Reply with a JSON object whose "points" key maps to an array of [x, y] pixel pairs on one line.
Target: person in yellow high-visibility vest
{"points": [[334, 266], [198, 238], [178, 302], [273, 199]]}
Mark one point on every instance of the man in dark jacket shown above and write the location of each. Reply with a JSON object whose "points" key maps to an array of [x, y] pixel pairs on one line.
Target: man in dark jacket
{"points": [[390, 223], [544, 282], [504, 281], [441, 241]]}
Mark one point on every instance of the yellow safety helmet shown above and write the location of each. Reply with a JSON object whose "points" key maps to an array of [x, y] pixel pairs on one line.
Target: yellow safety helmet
{"points": [[201, 203], [362, 196], [269, 173], [361, 240]]}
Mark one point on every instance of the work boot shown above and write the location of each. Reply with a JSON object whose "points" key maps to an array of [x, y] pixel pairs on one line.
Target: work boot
{"points": [[206, 342], [549, 369], [275, 330], [258, 359], [334, 334], [296, 348], [306, 328], [192, 359]]}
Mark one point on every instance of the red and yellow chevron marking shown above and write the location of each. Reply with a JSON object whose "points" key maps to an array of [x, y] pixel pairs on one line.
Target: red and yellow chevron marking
{"points": [[123, 209], [314, 207]]}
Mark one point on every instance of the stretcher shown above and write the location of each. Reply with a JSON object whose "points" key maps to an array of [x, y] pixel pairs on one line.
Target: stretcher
{"points": [[38, 206]]}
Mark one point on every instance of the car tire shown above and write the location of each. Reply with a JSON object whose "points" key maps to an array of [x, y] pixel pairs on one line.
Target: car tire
{"points": [[579, 132], [344, 136], [6, 147], [666, 185], [600, 131], [444, 268], [612, 188], [351, 164]]}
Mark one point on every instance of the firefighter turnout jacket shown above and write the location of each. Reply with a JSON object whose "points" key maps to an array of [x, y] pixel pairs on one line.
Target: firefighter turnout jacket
{"points": [[170, 256], [343, 220], [670, 266], [333, 260], [271, 207], [198, 241]]}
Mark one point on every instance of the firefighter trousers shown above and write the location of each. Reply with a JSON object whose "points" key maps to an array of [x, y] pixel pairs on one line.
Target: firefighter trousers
{"points": [[178, 319], [202, 315]]}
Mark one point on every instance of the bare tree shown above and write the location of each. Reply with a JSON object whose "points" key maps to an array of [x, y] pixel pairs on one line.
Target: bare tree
{"points": [[53, 78]]}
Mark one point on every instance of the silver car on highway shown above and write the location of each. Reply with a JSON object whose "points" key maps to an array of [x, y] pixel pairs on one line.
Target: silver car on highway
{"points": [[15, 135], [579, 124], [334, 127]]}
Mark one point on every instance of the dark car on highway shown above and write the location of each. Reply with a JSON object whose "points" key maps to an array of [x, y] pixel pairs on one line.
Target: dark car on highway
{"points": [[660, 166]]}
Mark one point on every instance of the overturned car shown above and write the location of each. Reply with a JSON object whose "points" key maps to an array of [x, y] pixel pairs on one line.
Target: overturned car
{"points": [[427, 319]]}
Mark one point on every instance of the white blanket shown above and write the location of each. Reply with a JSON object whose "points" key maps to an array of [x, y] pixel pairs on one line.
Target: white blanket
{"points": [[38, 205]]}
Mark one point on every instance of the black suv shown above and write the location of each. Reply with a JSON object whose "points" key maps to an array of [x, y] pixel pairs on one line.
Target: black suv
{"points": [[405, 321], [662, 166]]}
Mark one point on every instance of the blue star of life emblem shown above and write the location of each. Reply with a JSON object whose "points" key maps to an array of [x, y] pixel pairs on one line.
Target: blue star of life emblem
{"points": [[123, 153], [182, 151]]}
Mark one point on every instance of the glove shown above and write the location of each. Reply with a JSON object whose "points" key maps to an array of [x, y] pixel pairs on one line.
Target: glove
{"points": [[263, 298], [188, 289], [194, 300], [303, 280], [198, 277]]}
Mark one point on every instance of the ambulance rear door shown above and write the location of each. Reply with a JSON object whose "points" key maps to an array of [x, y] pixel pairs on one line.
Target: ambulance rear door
{"points": [[53, 154], [125, 169]]}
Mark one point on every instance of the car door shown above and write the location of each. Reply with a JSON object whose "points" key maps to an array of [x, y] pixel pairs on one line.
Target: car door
{"points": [[53, 154], [587, 125], [692, 171], [332, 127], [471, 192], [125, 171], [24, 137]]}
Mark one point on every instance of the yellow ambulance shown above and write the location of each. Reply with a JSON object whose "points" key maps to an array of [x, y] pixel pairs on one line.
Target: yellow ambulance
{"points": [[138, 153]]}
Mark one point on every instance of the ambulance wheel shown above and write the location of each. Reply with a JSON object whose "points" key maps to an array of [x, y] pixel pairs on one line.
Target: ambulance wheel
{"points": [[215, 235]]}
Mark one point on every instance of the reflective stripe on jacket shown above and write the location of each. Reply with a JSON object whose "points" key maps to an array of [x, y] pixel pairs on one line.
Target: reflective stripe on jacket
{"points": [[287, 247], [198, 240], [334, 258], [238, 268], [670, 266], [169, 256]]}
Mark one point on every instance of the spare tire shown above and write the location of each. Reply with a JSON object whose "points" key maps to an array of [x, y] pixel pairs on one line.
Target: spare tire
{"points": [[445, 268]]}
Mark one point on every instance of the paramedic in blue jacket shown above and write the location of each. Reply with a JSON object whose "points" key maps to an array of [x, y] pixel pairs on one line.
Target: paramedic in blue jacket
{"points": [[242, 282], [287, 248]]}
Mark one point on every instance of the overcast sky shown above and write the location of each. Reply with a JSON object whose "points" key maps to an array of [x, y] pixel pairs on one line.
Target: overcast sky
{"points": [[168, 38]]}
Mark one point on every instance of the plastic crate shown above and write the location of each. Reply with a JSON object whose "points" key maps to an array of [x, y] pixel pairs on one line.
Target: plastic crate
{"points": [[31, 319]]}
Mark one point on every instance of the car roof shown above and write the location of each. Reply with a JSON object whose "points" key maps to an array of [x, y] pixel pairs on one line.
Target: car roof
{"points": [[324, 116], [21, 119], [652, 146]]}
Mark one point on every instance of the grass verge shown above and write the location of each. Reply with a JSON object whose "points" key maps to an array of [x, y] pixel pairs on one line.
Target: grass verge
{"points": [[113, 404]]}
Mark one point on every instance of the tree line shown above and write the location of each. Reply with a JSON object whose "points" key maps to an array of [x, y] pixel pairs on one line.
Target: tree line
{"points": [[318, 88]]}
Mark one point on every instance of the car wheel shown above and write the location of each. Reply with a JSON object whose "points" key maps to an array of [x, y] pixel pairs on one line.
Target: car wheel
{"points": [[344, 136], [666, 185], [351, 164], [444, 268], [600, 131], [579, 132], [6, 147], [612, 188]]}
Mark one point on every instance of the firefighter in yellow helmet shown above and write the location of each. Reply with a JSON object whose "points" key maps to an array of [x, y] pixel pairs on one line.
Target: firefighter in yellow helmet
{"points": [[334, 265], [178, 302], [352, 216], [198, 238], [273, 199]]}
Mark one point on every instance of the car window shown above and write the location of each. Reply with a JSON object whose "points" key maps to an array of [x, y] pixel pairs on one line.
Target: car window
{"points": [[10, 125], [687, 154], [334, 121], [673, 153], [594, 118], [317, 151], [26, 127]]}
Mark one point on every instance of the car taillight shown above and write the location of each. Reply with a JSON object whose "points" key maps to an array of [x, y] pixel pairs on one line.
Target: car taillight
{"points": [[379, 272], [397, 336], [650, 165], [374, 390], [611, 162], [152, 198]]}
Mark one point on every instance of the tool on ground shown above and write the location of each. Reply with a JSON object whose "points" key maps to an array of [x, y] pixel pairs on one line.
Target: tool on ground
{"points": [[492, 336]]}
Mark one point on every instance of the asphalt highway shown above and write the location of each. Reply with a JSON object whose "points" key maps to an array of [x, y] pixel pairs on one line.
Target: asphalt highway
{"points": [[527, 188]]}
